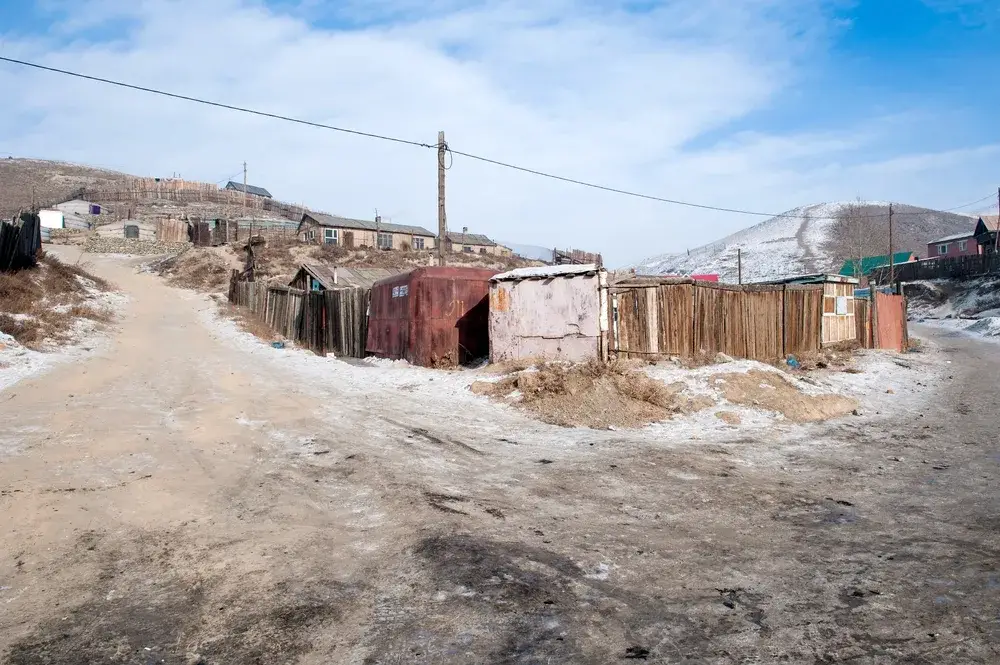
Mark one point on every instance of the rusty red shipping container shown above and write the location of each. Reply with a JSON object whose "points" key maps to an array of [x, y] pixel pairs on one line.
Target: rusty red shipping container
{"points": [[434, 317]]}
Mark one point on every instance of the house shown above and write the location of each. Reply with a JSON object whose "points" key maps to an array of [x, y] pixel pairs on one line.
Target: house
{"points": [[986, 233], [869, 263], [552, 312], [475, 243], [318, 277], [434, 317], [81, 207], [317, 227], [51, 219], [249, 189], [958, 244]]}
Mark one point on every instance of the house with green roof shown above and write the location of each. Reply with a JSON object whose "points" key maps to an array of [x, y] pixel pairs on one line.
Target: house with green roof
{"points": [[870, 263]]}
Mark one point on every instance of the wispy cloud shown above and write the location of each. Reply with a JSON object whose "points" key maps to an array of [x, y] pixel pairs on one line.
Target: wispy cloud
{"points": [[594, 91]]}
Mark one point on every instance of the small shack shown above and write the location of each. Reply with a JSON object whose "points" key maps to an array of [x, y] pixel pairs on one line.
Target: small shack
{"points": [[552, 312], [434, 317], [319, 277], [838, 322]]}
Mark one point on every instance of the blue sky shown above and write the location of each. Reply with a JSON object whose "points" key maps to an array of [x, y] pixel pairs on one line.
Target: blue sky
{"points": [[762, 104]]}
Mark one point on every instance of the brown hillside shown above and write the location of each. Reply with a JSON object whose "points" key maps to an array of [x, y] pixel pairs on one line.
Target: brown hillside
{"points": [[53, 182]]}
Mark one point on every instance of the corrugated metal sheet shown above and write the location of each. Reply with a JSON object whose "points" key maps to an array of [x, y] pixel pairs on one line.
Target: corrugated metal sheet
{"points": [[435, 317], [556, 317], [890, 322]]}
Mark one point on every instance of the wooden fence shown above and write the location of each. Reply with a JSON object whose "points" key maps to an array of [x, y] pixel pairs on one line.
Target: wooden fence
{"points": [[701, 318], [956, 267], [20, 241], [882, 322], [325, 322]]}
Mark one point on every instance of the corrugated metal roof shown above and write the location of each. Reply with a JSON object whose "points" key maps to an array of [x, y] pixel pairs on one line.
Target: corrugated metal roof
{"points": [[870, 263], [953, 237], [324, 219], [470, 239], [992, 222], [250, 189], [544, 272]]}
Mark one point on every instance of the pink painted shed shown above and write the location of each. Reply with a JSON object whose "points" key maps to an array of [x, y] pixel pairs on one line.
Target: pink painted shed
{"points": [[549, 312]]}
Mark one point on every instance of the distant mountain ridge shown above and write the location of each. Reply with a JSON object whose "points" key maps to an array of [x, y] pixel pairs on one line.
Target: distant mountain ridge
{"points": [[812, 239]]}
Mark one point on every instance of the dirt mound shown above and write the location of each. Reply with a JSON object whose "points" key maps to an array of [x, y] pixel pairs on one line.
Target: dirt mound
{"points": [[773, 391], [201, 268], [592, 395], [45, 302]]}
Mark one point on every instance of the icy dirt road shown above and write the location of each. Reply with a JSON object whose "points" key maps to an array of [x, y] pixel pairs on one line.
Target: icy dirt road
{"points": [[179, 498]]}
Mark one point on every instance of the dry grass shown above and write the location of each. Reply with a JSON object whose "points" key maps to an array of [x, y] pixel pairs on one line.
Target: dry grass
{"points": [[45, 301], [773, 391], [197, 268], [593, 394], [248, 323]]}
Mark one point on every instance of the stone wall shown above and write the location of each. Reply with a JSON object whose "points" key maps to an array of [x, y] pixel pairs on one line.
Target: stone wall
{"points": [[97, 244]]}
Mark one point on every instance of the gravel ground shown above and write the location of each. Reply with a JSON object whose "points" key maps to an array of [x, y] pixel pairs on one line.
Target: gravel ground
{"points": [[184, 496]]}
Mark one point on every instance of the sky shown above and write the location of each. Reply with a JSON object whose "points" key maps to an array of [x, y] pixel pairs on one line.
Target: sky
{"points": [[760, 105]]}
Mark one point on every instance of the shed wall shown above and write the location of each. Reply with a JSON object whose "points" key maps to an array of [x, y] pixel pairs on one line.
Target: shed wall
{"points": [[839, 327], [557, 318]]}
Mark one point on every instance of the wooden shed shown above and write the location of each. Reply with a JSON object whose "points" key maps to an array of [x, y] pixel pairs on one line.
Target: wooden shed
{"points": [[838, 323], [319, 277]]}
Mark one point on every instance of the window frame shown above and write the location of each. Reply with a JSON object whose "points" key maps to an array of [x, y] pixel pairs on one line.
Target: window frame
{"points": [[379, 236], [417, 242], [331, 236], [942, 249], [963, 245]]}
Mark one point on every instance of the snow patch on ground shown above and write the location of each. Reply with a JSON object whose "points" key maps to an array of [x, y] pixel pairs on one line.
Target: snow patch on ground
{"points": [[18, 362]]}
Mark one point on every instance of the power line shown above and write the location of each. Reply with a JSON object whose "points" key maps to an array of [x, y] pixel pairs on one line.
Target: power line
{"points": [[990, 196], [418, 144], [220, 105]]}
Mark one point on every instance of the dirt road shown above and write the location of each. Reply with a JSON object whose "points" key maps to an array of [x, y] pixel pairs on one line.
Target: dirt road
{"points": [[170, 500]]}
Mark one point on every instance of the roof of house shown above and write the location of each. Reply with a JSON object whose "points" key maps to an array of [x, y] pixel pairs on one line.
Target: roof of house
{"points": [[250, 189], [817, 278], [953, 237], [546, 272], [870, 263], [324, 219], [992, 222], [469, 239], [334, 277]]}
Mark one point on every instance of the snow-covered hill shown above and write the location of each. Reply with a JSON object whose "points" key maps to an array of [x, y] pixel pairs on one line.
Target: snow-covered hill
{"points": [[809, 239]]}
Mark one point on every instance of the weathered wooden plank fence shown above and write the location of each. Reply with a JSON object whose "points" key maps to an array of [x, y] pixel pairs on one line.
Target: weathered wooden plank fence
{"points": [[686, 318], [944, 268], [20, 241], [326, 322]]}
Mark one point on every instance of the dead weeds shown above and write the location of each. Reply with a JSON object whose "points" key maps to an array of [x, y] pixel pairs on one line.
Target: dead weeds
{"points": [[45, 302], [248, 323], [773, 391], [200, 269], [594, 394]]}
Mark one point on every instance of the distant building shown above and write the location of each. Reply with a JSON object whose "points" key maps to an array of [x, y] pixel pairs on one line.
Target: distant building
{"points": [[959, 244], [869, 263], [986, 233], [561, 257], [318, 277], [475, 243], [320, 228], [249, 189], [81, 207]]}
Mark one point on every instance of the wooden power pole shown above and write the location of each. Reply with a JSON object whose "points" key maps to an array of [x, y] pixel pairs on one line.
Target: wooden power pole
{"points": [[244, 201], [892, 266], [739, 265], [442, 218], [996, 228]]}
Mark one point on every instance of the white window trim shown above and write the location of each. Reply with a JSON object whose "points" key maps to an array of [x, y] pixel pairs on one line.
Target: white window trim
{"points": [[963, 245], [942, 249], [331, 234]]}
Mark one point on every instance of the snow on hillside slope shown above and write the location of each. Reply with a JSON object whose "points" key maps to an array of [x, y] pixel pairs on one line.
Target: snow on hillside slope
{"points": [[789, 244]]}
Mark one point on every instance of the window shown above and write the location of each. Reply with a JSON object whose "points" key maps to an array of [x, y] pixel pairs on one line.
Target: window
{"points": [[963, 245], [943, 249], [467, 249], [418, 243], [482, 250], [384, 240], [312, 234], [330, 236]]}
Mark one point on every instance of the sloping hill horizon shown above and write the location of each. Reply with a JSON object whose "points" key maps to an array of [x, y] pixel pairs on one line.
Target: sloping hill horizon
{"points": [[812, 239]]}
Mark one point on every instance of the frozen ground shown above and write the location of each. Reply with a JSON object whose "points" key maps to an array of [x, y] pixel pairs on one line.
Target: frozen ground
{"points": [[189, 495], [968, 306]]}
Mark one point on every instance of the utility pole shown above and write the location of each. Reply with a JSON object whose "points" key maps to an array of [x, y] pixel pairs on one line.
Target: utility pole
{"points": [[442, 219], [739, 265], [996, 228], [892, 266], [245, 200]]}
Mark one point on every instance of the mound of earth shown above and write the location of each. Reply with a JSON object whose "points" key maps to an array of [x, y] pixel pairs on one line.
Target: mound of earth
{"points": [[592, 395], [773, 391]]}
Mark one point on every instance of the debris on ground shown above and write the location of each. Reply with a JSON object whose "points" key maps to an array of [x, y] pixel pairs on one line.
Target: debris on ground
{"points": [[729, 417], [205, 269]]}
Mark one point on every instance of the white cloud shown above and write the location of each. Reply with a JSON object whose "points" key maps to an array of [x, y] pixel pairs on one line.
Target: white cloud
{"points": [[584, 90]]}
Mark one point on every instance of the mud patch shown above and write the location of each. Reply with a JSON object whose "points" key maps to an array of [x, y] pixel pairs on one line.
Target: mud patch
{"points": [[144, 609], [772, 391], [592, 395]]}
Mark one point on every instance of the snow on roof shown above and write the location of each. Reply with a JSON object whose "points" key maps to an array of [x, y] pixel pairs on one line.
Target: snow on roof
{"points": [[955, 236], [545, 271]]}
